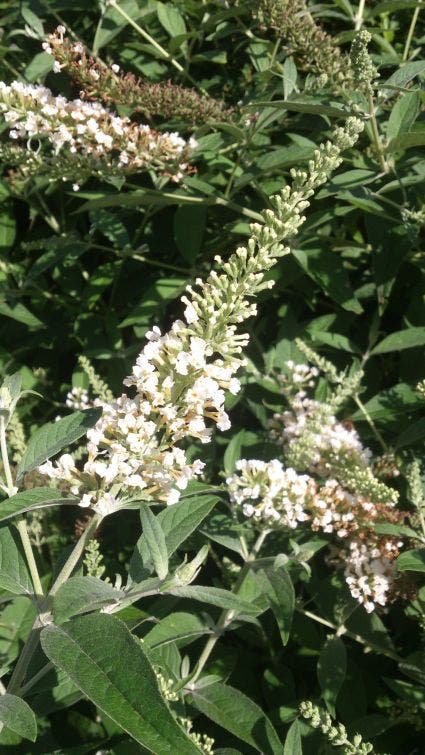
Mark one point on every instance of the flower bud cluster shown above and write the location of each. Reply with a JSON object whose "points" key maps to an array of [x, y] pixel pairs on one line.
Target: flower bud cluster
{"points": [[364, 71], [181, 378], [203, 741], [313, 48], [86, 134], [335, 733], [107, 83]]}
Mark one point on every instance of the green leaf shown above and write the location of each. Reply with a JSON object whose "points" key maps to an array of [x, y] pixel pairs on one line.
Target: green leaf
{"points": [[17, 715], [413, 560], [402, 76], [222, 529], [232, 453], [231, 709], [154, 539], [336, 341], [401, 339], [9, 307], [403, 115], [35, 498], [279, 589], [412, 434], [389, 6], [180, 520], [54, 436], [171, 19], [293, 744], [111, 22], [41, 64], [289, 77], [331, 670], [111, 226], [404, 141], [400, 530], [283, 157], [81, 595], [303, 104], [153, 301], [215, 596], [177, 523], [10, 391], [189, 228], [33, 21], [178, 627], [104, 660], [7, 227], [14, 574], [327, 269]]}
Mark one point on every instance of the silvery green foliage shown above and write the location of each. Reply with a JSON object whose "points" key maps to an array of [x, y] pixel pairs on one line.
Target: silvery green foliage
{"points": [[190, 569]]}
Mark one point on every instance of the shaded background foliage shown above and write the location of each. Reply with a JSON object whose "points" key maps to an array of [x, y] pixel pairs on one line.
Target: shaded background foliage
{"points": [[89, 271]]}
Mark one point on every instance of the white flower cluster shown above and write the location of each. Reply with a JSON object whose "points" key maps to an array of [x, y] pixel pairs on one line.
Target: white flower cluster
{"points": [[125, 459], [334, 510], [327, 436], [34, 115], [77, 398], [180, 365], [277, 497], [369, 572], [181, 377], [269, 493]]}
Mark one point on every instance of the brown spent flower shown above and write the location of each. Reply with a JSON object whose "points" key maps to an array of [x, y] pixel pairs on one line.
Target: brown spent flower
{"points": [[107, 83], [314, 49]]}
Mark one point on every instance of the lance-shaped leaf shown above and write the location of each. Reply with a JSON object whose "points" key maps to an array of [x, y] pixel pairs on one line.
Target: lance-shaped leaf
{"points": [[331, 670], [17, 715], [178, 627], [102, 658], [277, 586], [81, 595], [235, 712], [155, 541], [413, 560], [36, 498], [177, 523], [14, 575], [215, 596], [180, 520], [52, 437], [293, 744]]}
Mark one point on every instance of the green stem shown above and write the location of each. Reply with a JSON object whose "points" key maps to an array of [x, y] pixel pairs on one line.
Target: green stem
{"points": [[24, 660], [410, 34], [31, 644], [143, 33], [226, 617], [375, 135], [370, 422], [352, 635], [358, 18], [36, 678], [146, 260], [21, 525], [76, 554], [29, 554], [47, 215]]}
